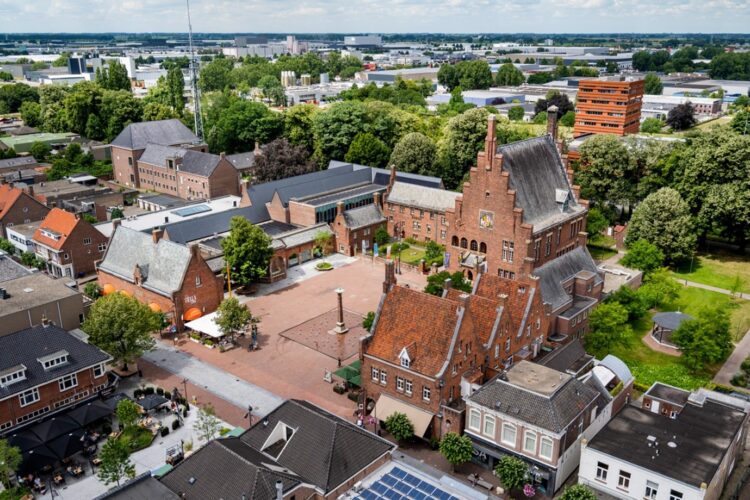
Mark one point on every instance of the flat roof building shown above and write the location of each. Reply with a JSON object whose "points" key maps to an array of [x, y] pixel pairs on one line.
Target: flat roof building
{"points": [[608, 106]]}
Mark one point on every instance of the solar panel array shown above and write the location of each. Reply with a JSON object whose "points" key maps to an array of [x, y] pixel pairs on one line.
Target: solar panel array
{"points": [[400, 485], [192, 210]]}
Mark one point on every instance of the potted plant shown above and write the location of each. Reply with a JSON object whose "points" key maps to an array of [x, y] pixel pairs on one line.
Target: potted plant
{"points": [[209, 343], [195, 337]]}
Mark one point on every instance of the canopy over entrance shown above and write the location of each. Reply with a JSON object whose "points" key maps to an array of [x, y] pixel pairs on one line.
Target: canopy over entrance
{"points": [[206, 325], [387, 406]]}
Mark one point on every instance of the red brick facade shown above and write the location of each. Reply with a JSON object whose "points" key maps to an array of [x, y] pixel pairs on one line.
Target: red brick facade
{"points": [[608, 107], [19, 207]]}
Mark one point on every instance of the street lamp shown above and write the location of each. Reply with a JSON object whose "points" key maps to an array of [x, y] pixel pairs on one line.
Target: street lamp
{"points": [[184, 386], [249, 415]]}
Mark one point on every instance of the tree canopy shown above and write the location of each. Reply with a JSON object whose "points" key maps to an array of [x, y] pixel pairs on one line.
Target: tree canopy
{"points": [[415, 153], [509, 76], [653, 84], [279, 159], [366, 149], [232, 317], [247, 251], [115, 462], [705, 340]]}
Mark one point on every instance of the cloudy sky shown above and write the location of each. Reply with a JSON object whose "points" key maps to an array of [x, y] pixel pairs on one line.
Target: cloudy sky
{"points": [[456, 16]]}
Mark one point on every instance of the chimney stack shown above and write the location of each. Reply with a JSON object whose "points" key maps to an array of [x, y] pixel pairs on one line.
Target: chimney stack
{"points": [[552, 121], [490, 141], [279, 490], [392, 178], [115, 224], [257, 149], [340, 208], [156, 234], [29, 189], [390, 276], [222, 155], [376, 199]]}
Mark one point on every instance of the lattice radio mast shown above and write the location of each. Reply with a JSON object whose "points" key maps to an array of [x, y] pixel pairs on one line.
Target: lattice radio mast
{"points": [[194, 79]]}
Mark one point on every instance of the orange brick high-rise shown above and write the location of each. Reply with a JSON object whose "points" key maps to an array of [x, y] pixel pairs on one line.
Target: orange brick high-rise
{"points": [[608, 106]]}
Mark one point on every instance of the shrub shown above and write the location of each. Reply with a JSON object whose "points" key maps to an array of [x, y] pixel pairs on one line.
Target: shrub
{"points": [[746, 365], [159, 391], [175, 424], [195, 335], [106, 429], [400, 427], [339, 389], [224, 431], [167, 394], [208, 342], [323, 266], [353, 396], [164, 431], [739, 380], [148, 391], [137, 393]]}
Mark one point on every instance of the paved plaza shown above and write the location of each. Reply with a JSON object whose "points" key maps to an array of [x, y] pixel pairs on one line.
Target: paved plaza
{"points": [[312, 334]]}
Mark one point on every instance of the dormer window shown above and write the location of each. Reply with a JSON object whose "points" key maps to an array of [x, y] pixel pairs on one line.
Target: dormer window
{"points": [[12, 375], [404, 358], [51, 234], [277, 440], [170, 164], [54, 360]]}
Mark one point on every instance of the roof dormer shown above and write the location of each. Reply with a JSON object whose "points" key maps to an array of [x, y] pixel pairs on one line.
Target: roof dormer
{"points": [[12, 375], [277, 440], [404, 358], [54, 360]]}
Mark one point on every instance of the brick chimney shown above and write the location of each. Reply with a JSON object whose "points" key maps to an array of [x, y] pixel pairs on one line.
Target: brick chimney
{"points": [[156, 234], [376, 199], [116, 224], [490, 141], [392, 178], [30, 190], [257, 149], [222, 155], [390, 276], [552, 121], [340, 208]]}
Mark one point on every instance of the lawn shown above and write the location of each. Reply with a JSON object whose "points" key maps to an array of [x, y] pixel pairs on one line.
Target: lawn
{"points": [[717, 269], [411, 255], [649, 366], [137, 437]]}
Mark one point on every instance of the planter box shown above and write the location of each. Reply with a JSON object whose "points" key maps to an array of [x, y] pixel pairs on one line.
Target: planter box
{"points": [[197, 341]]}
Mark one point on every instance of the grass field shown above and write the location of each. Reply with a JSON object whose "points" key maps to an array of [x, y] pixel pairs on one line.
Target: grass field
{"points": [[719, 270]]}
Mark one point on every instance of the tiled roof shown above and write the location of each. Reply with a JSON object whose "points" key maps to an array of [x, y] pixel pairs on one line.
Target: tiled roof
{"points": [[165, 132], [520, 294], [18, 162], [8, 196], [324, 449], [57, 221], [367, 215], [25, 347], [570, 358], [403, 321], [427, 198], [163, 265], [554, 273], [142, 487]]}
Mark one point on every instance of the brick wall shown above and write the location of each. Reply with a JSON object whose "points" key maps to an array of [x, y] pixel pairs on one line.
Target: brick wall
{"points": [[124, 162], [416, 223], [224, 180], [26, 209], [300, 214], [84, 256]]}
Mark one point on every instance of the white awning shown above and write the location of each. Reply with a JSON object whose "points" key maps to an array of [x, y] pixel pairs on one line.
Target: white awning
{"points": [[206, 324], [387, 406]]}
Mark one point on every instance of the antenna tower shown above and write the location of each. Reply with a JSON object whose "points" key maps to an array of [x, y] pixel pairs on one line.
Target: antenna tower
{"points": [[194, 79]]}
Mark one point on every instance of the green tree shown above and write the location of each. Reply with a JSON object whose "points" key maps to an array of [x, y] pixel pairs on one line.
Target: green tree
{"points": [[323, 241], [463, 138], [31, 113], [115, 462], [10, 460], [652, 126], [40, 151], [5, 76], [368, 320], [122, 327], [568, 119], [116, 213], [663, 219], [606, 172], [62, 60], [335, 129], [7, 247], [705, 340], [272, 89], [659, 288], [175, 83], [726, 213], [632, 301], [644, 256], [92, 290], [740, 122], [608, 326], [578, 492], [235, 124], [415, 153], [436, 282], [247, 251], [509, 76], [119, 108], [381, 236], [128, 413], [216, 74], [433, 250], [366, 149], [298, 125], [207, 425], [12, 96], [653, 84], [456, 449], [596, 223], [115, 77], [681, 117], [555, 98], [400, 427], [513, 472], [516, 113], [29, 259], [153, 111], [232, 317], [448, 76]]}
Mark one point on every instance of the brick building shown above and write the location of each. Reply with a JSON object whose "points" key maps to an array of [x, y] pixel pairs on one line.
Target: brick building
{"points": [[608, 106], [471, 336], [169, 277], [44, 370], [70, 245], [19, 207], [355, 229]]}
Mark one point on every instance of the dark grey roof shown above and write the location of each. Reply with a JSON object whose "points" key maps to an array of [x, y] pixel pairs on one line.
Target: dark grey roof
{"points": [[193, 162], [165, 132], [427, 198], [18, 162], [10, 269], [228, 468], [165, 200], [363, 216], [554, 412], [25, 347], [163, 265], [702, 435], [275, 228], [242, 161], [325, 450], [536, 174], [554, 273], [381, 176], [189, 230], [142, 487], [666, 392], [671, 320], [158, 154], [570, 358]]}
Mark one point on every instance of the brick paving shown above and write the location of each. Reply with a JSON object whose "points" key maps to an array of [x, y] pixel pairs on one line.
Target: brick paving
{"points": [[317, 333]]}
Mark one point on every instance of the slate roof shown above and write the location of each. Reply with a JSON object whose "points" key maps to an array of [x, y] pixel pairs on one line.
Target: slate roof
{"points": [[193, 162], [671, 320], [570, 358], [381, 175], [536, 173], [554, 412], [300, 236], [325, 450], [142, 487], [554, 273], [228, 468], [10, 269], [367, 215], [242, 161], [427, 198], [163, 265], [165, 132], [702, 435], [60, 222], [26, 346], [18, 162]]}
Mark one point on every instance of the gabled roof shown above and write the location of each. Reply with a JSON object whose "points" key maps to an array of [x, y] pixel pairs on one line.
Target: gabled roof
{"points": [[427, 198], [570, 358], [139, 488], [367, 215], [60, 223], [521, 294], [27, 346], [242, 161], [403, 321], [554, 273], [165, 132], [325, 450], [163, 264], [9, 195], [193, 162], [537, 174]]}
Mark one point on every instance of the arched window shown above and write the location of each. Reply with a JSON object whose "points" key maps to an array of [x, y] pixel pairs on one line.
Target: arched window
{"points": [[483, 247], [464, 243], [545, 448], [489, 426], [474, 419], [509, 434], [474, 246], [454, 241]]}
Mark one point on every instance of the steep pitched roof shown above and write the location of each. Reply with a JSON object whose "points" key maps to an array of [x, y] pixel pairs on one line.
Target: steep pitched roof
{"points": [[427, 198], [402, 322], [363, 216], [324, 449], [540, 181], [138, 488], [163, 264], [554, 273], [8, 196], [520, 296], [165, 132], [157, 154], [56, 227]]}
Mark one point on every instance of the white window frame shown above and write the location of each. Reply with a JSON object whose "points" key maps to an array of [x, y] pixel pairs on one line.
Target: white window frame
{"points": [[489, 422], [510, 428], [399, 384], [652, 490], [426, 393], [526, 435], [23, 398], [602, 470], [409, 387], [101, 247], [99, 370], [68, 379], [623, 480], [475, 414], [383, 377], [375, 374], [545, 440]]}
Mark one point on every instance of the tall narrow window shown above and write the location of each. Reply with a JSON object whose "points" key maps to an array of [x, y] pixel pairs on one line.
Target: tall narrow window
{"points": [[601, 471]]}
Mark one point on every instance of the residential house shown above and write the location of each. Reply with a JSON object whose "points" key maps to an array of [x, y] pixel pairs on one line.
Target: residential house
{"points": [[8, 165], [169, 277], [19, 207], [44, 370], [687, 453], [69, 244]]}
